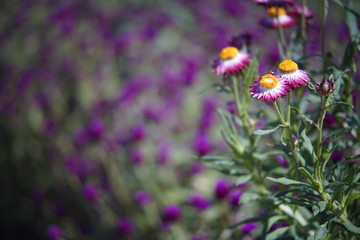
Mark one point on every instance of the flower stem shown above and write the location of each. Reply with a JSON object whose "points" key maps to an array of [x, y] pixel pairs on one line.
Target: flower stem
{"points": [[242, 112], [303, 28], [320, 126], [323, 20]]}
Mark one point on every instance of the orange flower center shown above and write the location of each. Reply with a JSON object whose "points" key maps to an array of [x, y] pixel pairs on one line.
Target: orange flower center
{"points": [[228, 53], [276, 11], [268, 81], [288, 66]]}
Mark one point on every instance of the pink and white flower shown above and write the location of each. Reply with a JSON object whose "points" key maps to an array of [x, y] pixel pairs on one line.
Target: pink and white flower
{"points": [[230, 61], [298, 10], [289, 71], [269, 3], [269, 87], [277, 17]]}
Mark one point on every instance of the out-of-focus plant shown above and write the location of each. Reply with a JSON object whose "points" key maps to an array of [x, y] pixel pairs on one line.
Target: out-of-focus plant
{"points": [[302, 173]]}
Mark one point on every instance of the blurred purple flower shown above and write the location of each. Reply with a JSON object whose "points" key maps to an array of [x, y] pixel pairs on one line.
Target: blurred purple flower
{"points": [[136, 156], [133, 87], [171, 213], [37, 194], [49, 126], [143, 197], [282, 161], [234, 197], [241, 40], [231, 108], [337, 156], [278, 225], [248, 227], [222, 188], [163, 154], [260, 123], [75, 166], [138, 132], [233, 8], [96, 129], [81, 137], [199, 202], [125, 227], [26, 79], [190, 70], [196, 168], [91, 192], [54, 232], [122, 41], [202, 144]]}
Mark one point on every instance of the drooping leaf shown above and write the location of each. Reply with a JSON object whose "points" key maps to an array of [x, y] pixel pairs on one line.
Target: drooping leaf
{"points": [[302, 116], [339, 103], [249, 220], [308, 145], [274, 219], [337, 133], [243, 179], [287, 181], [319, 207], [352, 157], [351, 227], [321, 232], [218, 160], [277, 233], [353, 196], [249, 197], [264, 132], [307, 175]]}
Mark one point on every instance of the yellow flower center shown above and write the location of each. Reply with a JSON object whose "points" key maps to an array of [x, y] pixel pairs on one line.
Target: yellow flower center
{"points": [[268, 81], [288, 66], [276, 11], [228, 53]]}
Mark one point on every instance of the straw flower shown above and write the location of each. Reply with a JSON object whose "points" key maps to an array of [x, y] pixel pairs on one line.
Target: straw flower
{"points": [[269, 88], [277, 17], [230, 61], [289, 71]]}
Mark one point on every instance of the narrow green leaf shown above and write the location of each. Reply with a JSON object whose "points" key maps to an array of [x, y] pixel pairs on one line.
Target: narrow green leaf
{"points": [[337, 133], [319, 207], [352, 157], [339, 103], [351, 227], [302, 116], [243, 179], [321, 232], [249, 197], [307, 143], [249, 220], [277, 233], [287, 181], [264, 132], [353, 196], [218, 160], [274, 219], [307, 175], [351, 10]]}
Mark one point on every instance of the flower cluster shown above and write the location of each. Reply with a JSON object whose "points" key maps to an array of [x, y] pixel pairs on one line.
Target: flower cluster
{"points": [[279, 81]]}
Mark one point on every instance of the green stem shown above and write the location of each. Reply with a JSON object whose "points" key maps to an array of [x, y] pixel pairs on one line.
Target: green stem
{"points": [[320, 127], [288, 133], [323, 20], [242, 112], [303, 28], [281, 118], [288, 109], [281, 38]]}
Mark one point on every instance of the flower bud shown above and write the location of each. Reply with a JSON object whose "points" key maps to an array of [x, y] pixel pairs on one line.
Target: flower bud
{"points": [[326, 86]]}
